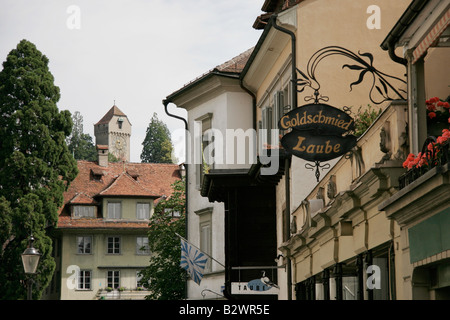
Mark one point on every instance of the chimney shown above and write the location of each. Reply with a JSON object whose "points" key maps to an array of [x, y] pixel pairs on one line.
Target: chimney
{"points": [[102, 151]]}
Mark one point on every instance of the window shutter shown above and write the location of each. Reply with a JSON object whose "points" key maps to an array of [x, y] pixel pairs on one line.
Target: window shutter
{"points": [[278, 107], [267, 122]]}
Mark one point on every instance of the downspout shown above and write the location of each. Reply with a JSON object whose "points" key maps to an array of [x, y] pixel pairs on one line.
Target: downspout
{"points": [[287, 161], [399, 28], [186, 166], [294, 59], [394, 57], [241, 83]]}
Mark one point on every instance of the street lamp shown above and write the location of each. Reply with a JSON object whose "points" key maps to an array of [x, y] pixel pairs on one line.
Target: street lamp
{"points": [[30, 260]]}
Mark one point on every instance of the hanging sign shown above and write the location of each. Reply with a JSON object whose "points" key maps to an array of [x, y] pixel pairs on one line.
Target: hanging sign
{"points": [[311, 147], [320, 132], [318, 117]]}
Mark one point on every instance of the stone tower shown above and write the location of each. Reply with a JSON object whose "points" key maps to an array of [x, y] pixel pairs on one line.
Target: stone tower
{"points": [[114, 131]]}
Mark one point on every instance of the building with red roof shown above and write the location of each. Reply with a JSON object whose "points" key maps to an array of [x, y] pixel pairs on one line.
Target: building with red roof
{"points": [[101, 237]]}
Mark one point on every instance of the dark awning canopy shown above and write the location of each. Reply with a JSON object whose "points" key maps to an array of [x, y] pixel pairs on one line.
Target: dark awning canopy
{"points": [[218, 182]]}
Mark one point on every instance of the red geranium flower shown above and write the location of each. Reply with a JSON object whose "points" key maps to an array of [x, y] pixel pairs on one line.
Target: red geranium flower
{"points": [[432, 115]]}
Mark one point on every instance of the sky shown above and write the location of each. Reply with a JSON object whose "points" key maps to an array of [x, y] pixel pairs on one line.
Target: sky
{"points": [[133, 53]]}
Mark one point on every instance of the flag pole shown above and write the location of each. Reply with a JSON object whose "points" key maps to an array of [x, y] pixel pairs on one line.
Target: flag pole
{"points": [[200, 250]]}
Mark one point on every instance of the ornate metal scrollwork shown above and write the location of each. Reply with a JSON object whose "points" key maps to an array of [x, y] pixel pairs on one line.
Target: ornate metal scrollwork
{"points": [[364, 64], [317, 166], [381, 83]]}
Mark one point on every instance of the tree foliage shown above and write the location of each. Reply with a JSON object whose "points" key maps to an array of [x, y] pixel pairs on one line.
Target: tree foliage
{"points": [[79, 143], [35, 166], [164, 277], [157, 145]]}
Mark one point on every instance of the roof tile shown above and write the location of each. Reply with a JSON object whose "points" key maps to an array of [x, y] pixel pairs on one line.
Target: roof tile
{"points": [[152, 180]]}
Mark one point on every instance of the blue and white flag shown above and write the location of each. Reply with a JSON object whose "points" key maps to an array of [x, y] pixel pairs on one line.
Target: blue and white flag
{"points": [[193, 260]]}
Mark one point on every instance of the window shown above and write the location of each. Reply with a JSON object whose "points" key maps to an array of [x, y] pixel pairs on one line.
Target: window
{"points": [[267, 125], [113, 245], [205, 228], [172, 212], [381, 292], [114, 210], [113, 279], [350, 288], [142, 246], [205, 242], [139, 282], [83, 212], [203, 164], [84, 244], [143, 211], [278, 108], [84, 280]]}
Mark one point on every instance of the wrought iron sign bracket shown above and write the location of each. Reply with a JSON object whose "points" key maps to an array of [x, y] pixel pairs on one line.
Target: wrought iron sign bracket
{"points": [[315, 140], [317, 166]]}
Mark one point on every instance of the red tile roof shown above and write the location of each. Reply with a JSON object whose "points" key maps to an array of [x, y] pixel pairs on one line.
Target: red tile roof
{"points": [[114, 111], [236, 64], [232, 67], [66, 222], [82, 198], [152, 180], [125, 185]]}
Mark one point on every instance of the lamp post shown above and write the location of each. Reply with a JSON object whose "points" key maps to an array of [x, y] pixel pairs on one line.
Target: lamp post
{"points": [[30, 260]]}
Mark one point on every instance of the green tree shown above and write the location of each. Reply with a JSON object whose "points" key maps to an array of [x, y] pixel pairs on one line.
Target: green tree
{"points": [[79, 143], [157, 145], [36, 166], [164, 277]]}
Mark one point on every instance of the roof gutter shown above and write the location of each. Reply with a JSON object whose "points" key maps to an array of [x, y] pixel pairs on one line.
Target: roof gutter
{"points": [[389, 43], [257, 48]]}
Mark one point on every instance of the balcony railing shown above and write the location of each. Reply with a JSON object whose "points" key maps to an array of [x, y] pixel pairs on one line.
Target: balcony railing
{"points": [[440, 157]]}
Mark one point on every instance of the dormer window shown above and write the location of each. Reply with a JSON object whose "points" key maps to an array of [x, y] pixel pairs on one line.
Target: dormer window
{"points": [[83, 211], [133, 174], [97, 173]]}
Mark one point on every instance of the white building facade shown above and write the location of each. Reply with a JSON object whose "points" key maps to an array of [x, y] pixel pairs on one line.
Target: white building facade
{"points": [[216, 104]]}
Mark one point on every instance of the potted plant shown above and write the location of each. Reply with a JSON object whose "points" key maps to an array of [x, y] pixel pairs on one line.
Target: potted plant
{"points": [[438, 115], [435, 152]]}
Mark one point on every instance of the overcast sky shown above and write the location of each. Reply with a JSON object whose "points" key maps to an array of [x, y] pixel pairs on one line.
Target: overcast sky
{"points": [[133, 52]]}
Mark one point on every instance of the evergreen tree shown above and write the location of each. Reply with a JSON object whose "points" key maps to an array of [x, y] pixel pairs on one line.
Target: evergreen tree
{"points": [[80, 144], [164, 277], [36, 166], [157, 145]]}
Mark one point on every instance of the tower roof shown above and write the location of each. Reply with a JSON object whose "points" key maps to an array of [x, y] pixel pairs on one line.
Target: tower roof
{"points": [[114, 111]]}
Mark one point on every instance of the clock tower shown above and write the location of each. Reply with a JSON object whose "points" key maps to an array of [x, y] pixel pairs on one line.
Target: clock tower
{"points": [[114, 131]]}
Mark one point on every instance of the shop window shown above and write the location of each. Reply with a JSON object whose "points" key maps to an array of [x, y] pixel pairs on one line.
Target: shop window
{"points": [[381, 290]]}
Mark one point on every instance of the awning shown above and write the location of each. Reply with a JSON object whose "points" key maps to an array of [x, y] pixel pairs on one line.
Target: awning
{"points": [[218, 182], [432, 37]]}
